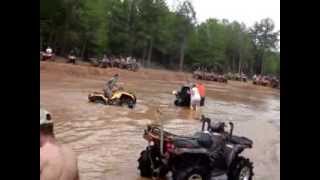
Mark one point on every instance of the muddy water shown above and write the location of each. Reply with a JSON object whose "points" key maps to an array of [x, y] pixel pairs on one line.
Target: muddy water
{"points": [[108, 139]]}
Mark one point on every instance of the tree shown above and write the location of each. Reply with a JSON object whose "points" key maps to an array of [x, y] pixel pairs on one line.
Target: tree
{"points": [[264, 39], [186, 20], [148, 30]]}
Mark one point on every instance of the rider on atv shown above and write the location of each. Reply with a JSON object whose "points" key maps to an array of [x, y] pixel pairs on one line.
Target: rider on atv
{"points": [[49, 50], [72, 57], [48, 54], [111, 84]]}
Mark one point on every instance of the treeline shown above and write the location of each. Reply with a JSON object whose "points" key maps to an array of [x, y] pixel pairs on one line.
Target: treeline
{"points": [[148, 30]]}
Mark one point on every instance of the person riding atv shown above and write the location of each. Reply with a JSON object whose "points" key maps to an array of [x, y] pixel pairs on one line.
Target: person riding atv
{"points": [[72, 57], [48, 54], [110, 86], [112, 94]]}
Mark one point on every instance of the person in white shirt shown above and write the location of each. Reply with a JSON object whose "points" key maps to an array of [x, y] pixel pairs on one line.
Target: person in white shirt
{"points": [[195, 98], [254, 77], [49, 50]]}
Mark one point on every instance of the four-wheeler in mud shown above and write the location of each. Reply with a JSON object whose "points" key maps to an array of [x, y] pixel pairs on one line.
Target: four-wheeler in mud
{"points": [[131, 65], [112, 62], [237, 77], [119, 97], [209, 76], [210, 153], [183, 97], [72, 59], [266, 81], [44, 56], [95, 61]]}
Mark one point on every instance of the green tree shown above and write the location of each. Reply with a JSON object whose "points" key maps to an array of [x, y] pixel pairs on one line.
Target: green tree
{"points": [[185, 24], [147, 29], [264, 39]]}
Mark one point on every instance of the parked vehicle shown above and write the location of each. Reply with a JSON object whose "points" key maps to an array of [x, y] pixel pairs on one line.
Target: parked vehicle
{"points": [[210, 153]]}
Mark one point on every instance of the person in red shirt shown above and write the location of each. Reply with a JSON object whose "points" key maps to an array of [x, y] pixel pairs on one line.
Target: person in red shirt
{"points": [[202, 92]]}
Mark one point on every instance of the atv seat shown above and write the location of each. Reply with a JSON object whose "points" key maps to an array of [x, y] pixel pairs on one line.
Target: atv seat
{"points": [[199, 140], [186, 142]]}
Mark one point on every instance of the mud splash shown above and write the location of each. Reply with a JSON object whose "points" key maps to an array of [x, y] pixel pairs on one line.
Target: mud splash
{"points": [[108, 139]]}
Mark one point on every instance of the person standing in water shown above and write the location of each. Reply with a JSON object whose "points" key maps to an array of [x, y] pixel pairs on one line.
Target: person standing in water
{"points": [[202, 92], [57, 161], [195, 98]]}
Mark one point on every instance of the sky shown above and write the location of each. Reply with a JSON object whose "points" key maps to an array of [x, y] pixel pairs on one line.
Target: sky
{"points": [[246, 11]]}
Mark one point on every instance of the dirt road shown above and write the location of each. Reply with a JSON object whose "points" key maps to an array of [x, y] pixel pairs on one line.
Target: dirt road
{"points": [[108, 139]]}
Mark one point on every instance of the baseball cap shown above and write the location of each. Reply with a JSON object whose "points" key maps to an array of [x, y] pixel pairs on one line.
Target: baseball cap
{"points": [[45, 117]]}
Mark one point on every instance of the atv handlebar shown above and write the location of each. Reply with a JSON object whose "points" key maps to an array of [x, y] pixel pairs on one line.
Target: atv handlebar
{"points": [[231, 128], [204, 122], [219, 127]]}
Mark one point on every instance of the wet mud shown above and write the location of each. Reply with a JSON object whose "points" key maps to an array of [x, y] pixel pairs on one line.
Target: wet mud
{"points": [[108, 139]]}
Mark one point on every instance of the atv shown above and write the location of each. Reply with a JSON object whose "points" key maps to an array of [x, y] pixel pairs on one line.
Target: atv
{"points": [[72, 59], [183, 97], [211, 153], [119, 97], [47, 56]]}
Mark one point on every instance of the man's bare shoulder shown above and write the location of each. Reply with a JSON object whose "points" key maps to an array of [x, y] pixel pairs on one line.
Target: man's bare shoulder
{"points": [[67, 149], [48, 153], [60, 159]]}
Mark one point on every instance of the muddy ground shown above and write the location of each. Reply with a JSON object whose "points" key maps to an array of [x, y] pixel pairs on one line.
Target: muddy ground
{"points": [[108, 139]]}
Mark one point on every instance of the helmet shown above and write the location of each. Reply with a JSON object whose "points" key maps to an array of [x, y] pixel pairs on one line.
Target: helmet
{"points": [[45, 117]]}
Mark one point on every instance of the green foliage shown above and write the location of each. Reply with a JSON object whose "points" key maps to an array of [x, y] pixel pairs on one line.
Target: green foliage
{"points": [[272, 63], [147, 29], [264, 39]]}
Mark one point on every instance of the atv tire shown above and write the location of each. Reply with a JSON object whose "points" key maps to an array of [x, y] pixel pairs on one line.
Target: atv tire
{"points": [[241, 169], [176, 102], [195, 172], [144, 164], [97, 100], [130, 103]]}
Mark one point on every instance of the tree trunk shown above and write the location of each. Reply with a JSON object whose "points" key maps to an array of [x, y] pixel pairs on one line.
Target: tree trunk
{"points": [[182, 54], [262, 57], [131, 26], [144, 54], [150, 53], [252, 70], [50, 40], [239, 70], [233, 64], [83, 49]]}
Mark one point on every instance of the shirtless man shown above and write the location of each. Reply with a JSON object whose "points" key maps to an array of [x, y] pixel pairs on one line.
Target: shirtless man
{"points": [[57, 162]]}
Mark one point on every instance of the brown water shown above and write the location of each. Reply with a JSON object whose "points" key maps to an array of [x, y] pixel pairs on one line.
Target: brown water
{"points": [[108, 139]]}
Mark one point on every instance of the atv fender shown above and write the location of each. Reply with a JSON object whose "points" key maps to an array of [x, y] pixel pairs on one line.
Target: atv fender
{"points": [[95, 96], [235, 151], [119, 95]]}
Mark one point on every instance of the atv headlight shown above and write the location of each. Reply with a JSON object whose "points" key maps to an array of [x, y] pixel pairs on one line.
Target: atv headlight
{"points": [[174, 92]]}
